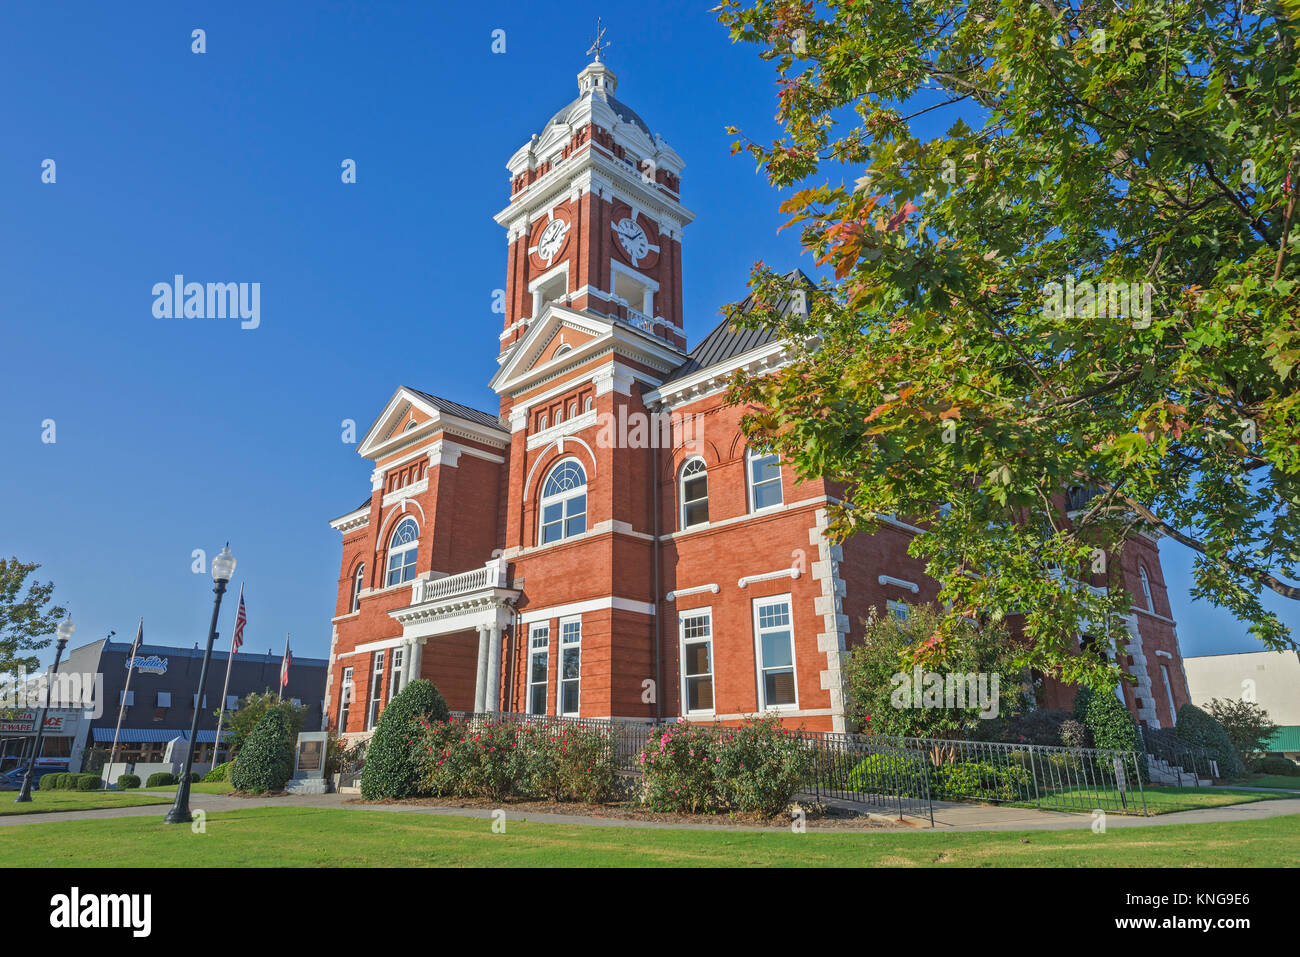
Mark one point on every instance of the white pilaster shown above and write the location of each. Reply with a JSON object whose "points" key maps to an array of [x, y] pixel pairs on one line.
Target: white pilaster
{"points": [[493, 701], [480, 685]]}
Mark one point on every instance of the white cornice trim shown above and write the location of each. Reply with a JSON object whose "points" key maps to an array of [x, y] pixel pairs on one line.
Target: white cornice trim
{"points": [[748, 580], [580, 607], [352, 521], [713, 379], [913, 587], [697, 590]]}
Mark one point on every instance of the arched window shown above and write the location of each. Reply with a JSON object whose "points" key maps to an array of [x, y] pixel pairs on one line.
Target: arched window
{"points": [[559, 415], [694, 491], [764, 480], [586, 406], [401, 551], [564, 347], [1146, 587], [573, 410], [541, 423], [564, 502], [358, 582]]}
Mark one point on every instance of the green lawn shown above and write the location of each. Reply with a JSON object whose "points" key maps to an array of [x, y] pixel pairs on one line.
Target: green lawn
{"points": [[44, 801], [1160, 800], [1270, 781], [202, 787], [309, 837]]}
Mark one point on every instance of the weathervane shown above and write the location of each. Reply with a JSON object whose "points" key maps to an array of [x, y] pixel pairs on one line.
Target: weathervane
{"points": [[596, 44]]}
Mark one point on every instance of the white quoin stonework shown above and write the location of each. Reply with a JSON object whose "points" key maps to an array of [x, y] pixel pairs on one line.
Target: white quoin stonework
{"points": [[831, 640], [1144, 692]]}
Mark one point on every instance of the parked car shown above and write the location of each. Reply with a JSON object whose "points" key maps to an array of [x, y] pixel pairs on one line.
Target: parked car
{"points": [[12, 780]]}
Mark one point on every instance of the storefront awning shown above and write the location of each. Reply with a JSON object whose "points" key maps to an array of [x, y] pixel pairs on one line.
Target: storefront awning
{"points": [[152, 735]]}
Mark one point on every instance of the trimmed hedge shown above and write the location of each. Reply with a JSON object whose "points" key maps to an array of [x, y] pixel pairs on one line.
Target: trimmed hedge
{"points": [[1200, 728], [161, 779], [393, 760], [89, 782], [127, 781], [1277, 765], [48, 782], [220, 773], [265, 762]]}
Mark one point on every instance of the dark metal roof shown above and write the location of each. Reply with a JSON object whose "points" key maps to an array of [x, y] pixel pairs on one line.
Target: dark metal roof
{"points": [[624, 112], [726, 341], [461, 411]]}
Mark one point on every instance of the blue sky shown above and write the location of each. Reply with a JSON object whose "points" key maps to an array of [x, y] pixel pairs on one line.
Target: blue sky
{"points": [[175, 435]]}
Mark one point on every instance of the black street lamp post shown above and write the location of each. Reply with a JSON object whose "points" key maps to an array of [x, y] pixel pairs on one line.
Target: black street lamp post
{"points": [[64, 631], [223, 569]]}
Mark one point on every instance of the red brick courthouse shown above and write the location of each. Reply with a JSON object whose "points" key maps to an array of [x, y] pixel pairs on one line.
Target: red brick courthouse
{"points": [[571, 554]]}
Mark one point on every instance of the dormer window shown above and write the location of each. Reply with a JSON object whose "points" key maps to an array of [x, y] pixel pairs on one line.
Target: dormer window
{"points": [[564, 347]]}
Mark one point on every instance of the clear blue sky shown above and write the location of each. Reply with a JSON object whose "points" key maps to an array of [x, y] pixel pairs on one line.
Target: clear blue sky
{"points": [[174, 435]]}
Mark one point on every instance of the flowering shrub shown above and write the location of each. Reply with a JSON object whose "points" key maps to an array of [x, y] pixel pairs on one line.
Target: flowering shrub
{"points": [[760, 765], [678, 766], [757, 766], [498, 759]]}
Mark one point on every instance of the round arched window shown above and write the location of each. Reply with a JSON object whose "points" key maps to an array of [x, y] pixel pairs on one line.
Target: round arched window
{"points": [[564, 502], [402, 548]]}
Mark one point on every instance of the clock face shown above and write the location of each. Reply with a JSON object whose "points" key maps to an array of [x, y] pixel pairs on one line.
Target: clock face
{"points": [[551, 240], [632, 238]]}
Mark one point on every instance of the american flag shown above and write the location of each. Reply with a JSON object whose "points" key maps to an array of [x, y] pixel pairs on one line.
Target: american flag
{"points": [[241, 619]]}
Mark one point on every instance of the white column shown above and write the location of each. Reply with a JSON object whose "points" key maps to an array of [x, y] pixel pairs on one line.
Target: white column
{"points": [[494, 667], [417, 658], [407, 649], [480, 686]]}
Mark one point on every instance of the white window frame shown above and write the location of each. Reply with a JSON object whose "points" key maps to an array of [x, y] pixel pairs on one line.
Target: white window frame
{"points": [[1146, 587], [376, 696], [358, 581], [562, 499], [538, 631], [681, 494], [346, 694], [560, 680], [750, 456], [760, 669], [1169, 693], [399, 656], [412, 548], [682, 641]]}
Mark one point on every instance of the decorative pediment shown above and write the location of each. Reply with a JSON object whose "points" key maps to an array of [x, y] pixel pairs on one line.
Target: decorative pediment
{"points": [[412, 416], [559, 336]]}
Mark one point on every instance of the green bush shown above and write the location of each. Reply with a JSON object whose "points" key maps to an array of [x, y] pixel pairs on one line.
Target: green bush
{"points": [[677, 763], [1248, 726], [127, 781], [265, 762], [979, 780], [1277, 765], [160, 779], [393, 760], [89, 782], [759, 766], [888, 773], [220, 773], [1199, 728], [1074, 734], [48, 782]]}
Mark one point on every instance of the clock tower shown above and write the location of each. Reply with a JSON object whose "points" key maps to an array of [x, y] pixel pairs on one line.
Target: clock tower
{"points": [[595, 218]]}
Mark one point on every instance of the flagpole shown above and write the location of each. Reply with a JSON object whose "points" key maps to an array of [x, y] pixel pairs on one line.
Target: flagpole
{"points": [[221, 714], [283, 675], [121, 707]]}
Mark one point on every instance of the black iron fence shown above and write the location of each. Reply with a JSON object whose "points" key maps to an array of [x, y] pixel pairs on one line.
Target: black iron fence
{"points": [[907, 775], [1173, 760]]}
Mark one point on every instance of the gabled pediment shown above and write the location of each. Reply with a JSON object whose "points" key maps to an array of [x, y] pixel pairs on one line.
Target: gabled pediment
{"points": [[559, 336], [411, 415]]}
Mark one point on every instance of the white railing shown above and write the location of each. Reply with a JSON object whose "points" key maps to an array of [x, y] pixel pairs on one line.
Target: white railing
{"points": [[491, 575]]}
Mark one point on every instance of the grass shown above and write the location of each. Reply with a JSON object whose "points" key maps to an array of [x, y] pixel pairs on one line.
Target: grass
{"points": [[313, 837], [1160, 800], [202, 787], [45, 801], [1270, 781]]}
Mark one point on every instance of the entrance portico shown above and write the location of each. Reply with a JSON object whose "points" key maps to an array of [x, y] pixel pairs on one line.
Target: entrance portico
{"points": [[479, 600]]}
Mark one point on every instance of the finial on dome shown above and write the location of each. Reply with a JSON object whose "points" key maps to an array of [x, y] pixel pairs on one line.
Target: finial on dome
{"points": [[596, 44]]}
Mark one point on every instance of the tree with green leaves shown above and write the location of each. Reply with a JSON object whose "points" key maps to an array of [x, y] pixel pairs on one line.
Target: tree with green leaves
{"points": [[1248, 725], [1061, 237], [252, 708], [27, 620]]}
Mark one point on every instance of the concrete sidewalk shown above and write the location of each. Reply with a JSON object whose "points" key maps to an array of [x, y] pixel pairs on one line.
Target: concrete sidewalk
{"points": [[947, 817]]}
